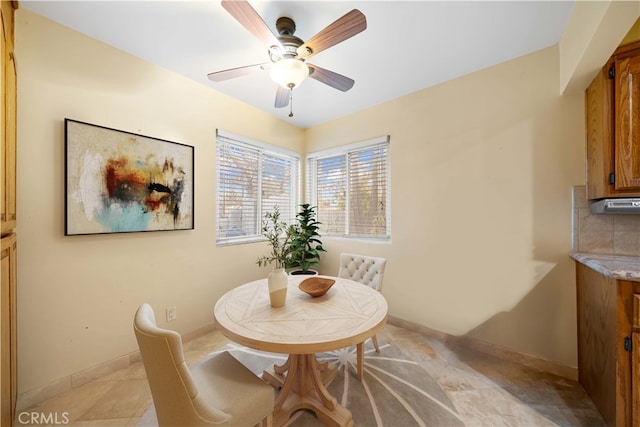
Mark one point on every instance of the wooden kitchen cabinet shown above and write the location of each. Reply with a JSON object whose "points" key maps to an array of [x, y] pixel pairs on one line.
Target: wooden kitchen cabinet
{"points": [[609, 344], [635, 360], [8, 114], [8, 382], [612, 112], [8, 217]]}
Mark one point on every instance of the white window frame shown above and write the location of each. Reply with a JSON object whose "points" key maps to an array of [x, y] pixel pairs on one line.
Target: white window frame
{"points": [[263, 149], [345, 150]]}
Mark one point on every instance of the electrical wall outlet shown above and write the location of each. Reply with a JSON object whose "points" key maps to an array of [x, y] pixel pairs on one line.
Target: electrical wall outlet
{"points": [[171, 313]]}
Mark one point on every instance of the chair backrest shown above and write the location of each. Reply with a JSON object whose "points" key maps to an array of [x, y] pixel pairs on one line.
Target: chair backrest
{"points": [[364, 269], [174, 392]]}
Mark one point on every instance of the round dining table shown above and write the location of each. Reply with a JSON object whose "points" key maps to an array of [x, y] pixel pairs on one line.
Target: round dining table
{"points": [[346, 315]]}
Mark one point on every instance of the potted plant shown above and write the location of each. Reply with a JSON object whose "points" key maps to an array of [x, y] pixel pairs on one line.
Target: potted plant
{"points": [[279, 234], [305, 245]]}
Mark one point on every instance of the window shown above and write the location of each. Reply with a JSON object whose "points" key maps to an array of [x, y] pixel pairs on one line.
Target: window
{"points": [[252, 178], [350, 187]]}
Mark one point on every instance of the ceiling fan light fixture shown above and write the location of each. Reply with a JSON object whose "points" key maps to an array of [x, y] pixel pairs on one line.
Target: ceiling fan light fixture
{"points": [[289, 72]]}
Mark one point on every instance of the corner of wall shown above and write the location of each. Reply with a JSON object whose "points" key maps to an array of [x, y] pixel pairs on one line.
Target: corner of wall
{"points": [[594, 30]]}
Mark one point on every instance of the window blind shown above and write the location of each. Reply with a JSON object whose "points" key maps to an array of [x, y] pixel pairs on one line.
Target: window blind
{"points": [[351, 190], [368, 190], [331, 194], [279, 174], [252, 180]]}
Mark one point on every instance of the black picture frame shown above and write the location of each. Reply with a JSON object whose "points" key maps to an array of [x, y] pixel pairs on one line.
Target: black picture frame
{"points": [[122, 182]]}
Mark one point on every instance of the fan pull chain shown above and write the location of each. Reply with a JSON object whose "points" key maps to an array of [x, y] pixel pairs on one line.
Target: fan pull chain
{"points": [[290, 100]]}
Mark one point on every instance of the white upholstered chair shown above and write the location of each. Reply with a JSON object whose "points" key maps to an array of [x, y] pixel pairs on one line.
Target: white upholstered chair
{"points": [[368, 271], [217, 390]]}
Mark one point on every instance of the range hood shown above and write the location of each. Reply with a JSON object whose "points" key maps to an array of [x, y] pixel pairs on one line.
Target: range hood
{"points": [[616, 206]]}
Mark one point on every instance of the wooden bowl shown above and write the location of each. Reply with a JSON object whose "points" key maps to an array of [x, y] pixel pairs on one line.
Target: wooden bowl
{"points": [[316, 286]]}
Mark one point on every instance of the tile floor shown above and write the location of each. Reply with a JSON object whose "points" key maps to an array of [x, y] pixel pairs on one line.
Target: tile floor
{"points": [[486, 391]]}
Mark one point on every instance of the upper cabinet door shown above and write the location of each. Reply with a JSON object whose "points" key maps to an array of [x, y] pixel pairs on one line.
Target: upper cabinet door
{"points": [[599, 105], [627, 127], [8, 120]]}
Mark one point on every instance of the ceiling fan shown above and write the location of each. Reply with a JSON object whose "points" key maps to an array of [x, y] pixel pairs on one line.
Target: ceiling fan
{"points": [[288, 53]]}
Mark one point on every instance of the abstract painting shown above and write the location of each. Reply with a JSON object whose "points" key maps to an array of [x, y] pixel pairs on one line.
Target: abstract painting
{"points": [[121, 182]]}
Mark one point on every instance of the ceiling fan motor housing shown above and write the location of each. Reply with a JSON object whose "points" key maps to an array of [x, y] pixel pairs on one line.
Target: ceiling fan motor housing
{"points": [[286, 28]]}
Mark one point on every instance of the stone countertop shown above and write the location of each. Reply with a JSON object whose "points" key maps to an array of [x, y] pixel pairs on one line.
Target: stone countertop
{"points": [[616, 266]]}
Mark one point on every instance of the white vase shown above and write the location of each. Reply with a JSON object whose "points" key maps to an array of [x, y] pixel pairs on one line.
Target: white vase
{"points": [[278, 280]]}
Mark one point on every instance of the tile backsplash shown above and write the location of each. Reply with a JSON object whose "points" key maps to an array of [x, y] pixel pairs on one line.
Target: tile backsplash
{"points": [[603, 234]]}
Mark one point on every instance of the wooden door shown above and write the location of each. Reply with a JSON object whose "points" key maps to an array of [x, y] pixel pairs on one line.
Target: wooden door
{"points": [[635, 380], [597, 299], [599, 134], [8, 116], [8, 275], [627, 126], [8, 330], [635, 362]]}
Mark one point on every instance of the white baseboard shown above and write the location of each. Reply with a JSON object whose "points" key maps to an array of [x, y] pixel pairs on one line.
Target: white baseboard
{"points": [[33, 397], [496, 350]]}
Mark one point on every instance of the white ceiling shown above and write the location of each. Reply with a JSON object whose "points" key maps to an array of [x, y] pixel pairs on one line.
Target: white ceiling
{"points": [[407, 46]]}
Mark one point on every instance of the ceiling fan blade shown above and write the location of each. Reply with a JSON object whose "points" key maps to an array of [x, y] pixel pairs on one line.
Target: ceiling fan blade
{"points": [[246, 15], [232, 73], [340, 30], [333, 79], [282, 97]]}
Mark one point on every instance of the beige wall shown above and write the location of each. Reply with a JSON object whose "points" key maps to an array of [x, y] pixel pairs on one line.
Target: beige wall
{"points": [[482, 169], [77, 295], [634, 33]]}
